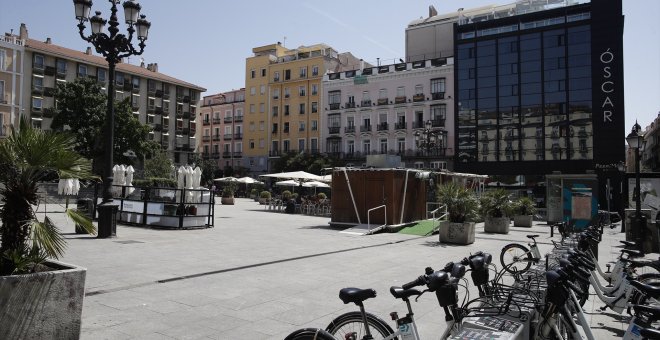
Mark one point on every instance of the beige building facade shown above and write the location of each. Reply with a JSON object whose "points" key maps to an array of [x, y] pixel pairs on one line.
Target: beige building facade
{"points": [[12, 57], [221, 129]]}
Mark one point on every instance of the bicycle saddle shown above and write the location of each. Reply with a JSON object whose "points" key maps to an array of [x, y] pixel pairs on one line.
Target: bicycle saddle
{"points": [[532, 236], [632, 252], [400, 293], [652, 311], [649, 290], [356, 295]]}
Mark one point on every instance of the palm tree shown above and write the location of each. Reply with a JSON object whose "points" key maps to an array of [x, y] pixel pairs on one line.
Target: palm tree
{"points": [[28, 156]]}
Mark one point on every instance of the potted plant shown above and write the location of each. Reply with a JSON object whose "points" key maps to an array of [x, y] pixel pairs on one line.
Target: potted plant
{"points": [[228, 193], [41, 297], [523, 212], [264, 197], [496, 209], [462, 206], [321, 196], [286, 195], [253, 194]]}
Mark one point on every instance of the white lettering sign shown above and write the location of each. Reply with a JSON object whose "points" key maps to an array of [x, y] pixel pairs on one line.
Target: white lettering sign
{"points": [[607, 86]]}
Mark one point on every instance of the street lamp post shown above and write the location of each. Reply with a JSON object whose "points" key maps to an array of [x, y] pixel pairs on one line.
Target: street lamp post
{"points": [[113, 47], [428, 138], [636, 141]]}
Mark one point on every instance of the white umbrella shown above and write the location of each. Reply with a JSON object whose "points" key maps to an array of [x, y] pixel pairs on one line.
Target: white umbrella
{"points": [[129, 180], [226, 179], [298, 175], [247, 180], [326, 178], [180, 178], [287, 183], [196, 178], [189, 182], [315, 184]]}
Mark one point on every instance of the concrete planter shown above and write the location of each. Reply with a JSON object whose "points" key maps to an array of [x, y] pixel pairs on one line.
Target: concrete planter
{"points": [[263, 201], [458, 233], [498, 225], [523, 221], [227, 200], [44, 305]]}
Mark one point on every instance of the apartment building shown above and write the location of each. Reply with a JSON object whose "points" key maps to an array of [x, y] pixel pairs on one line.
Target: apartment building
{"points": [[221, 129], [12, 57], [283, 100], [385, 109], [167, 104]]}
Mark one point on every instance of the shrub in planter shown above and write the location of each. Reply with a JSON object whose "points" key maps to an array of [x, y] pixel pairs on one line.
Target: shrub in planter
{"points": [[28, 156], [264, 197], [462, 206], [228, 193], [496, 209], [321, 196], [523, 212], [253, 193], [286, 195]]}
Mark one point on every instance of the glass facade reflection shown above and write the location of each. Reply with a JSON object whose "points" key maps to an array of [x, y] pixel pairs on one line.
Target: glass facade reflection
{"points": [[525, 95]]}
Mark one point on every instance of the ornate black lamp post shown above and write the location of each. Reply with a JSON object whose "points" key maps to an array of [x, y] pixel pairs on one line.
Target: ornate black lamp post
{"points": [[636, 141], [428, 139], [113, 47]]}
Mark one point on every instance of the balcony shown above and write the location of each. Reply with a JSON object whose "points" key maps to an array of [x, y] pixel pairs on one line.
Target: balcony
{"points": [[159, 93], [217, 120], [158, 127], [238, 154], [382, 126], [186, 99], [334, 106], [418, 125], [433, 152], [285, 130], [226, 154], [366, 103], [350, 105], [228, 136], [186, 115], [126, 86], [382, 101], [334, 76], [286, 95], [206, 122], [418, 97], [400, 67], [367, 71], [274, 153], [383, 69], [37, 89], [365, 128], [49, 112], [438, 122], [215, 155], [166, 94], [334, 129], [349, 129], [48, 70], [509, 136], [165, 144], [206, 138], [238, 135], [400, 126], [158, 110], [400, 99], [216, 138], [229, 119], [206, 155], [438, 95], [238, 118]]}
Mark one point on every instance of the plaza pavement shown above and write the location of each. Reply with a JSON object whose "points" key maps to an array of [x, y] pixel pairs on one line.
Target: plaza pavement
{"points": [[260, 275]]}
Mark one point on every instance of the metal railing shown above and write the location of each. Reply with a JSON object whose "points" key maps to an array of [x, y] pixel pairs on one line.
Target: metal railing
{"points": [[438, 214], [370, 231]]}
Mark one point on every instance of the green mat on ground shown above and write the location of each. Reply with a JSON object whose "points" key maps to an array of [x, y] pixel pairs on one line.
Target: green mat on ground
{"points": [[422, 228]]}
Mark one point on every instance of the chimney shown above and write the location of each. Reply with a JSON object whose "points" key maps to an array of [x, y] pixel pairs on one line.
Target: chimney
{"points": [[89, 50], [153, 67], [23, 32], [361, 65], [48, 41], [432, 11]]}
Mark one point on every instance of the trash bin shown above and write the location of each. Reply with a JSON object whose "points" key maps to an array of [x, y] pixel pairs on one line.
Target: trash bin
{"points": [[84, 206]]}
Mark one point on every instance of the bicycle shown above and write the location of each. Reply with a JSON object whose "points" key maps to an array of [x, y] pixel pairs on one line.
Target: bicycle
{"points": [[515, 253]]}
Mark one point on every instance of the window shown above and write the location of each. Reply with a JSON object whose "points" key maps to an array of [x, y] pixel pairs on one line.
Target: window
{"points": [[438, 112], [253, 91], [438, 85], [276, 93], [366, 147], [287, 74], [262, 143], [275, 110], [101, 75], [3, 60], [37, 83], [302, 90], [315, 107], [315, 89], [136, 82], [419, 89], [301, 126], [350, 147], [301, 109], [119, 79], [286, 146], [61, 66], [383, 146], [262, 108], [382, 94], [400, 91], [334, 97], [150, 119], [253, 73], [286, 109], [315, 125], [2, 92], [263, 72], [252, 126], [401, 145], [315, 70], [276, 76], [135, 101], [38, 61], [82, 70], [36, 103], [287, 92], [286, 127], [262, 89], [262, 125], [252, 108], [303, 72]]}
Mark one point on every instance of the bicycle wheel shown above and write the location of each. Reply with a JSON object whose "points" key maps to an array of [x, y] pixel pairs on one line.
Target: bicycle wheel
{"points": [[310, 334], [514, 255], [639, 298], [351, 326]]}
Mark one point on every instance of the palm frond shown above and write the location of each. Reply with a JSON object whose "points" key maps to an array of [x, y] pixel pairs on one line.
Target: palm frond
{"points": [[81, 220], [46, 235]]}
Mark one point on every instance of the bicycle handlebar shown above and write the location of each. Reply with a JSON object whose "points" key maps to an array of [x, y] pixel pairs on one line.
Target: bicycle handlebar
{"points": [[420, 281]]}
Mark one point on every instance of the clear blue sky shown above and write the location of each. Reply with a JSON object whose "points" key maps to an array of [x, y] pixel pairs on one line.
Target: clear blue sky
{"points": [[206, 41]]}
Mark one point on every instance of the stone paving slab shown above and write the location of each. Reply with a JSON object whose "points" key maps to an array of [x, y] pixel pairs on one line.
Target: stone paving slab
{"points": [[261, 274]]}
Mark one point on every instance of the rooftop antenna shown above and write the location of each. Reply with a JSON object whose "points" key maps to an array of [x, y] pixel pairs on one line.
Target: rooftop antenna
{"points": [[284, 42]]}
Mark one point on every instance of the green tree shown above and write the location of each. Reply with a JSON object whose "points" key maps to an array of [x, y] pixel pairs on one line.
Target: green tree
{"points": [[158, 166], [82, 105], [27, 157], [296, 161]]}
